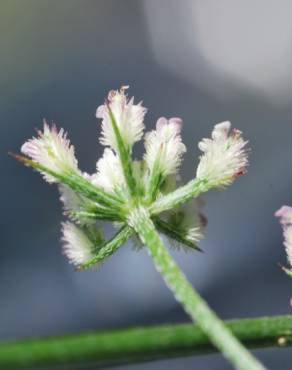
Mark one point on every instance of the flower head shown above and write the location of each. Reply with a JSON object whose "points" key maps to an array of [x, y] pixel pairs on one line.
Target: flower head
{"points": [[164, 147], [52, 150], [80, 245], [285, 216], [224, 156], [129, 118], [123, 188], [109, 173]]}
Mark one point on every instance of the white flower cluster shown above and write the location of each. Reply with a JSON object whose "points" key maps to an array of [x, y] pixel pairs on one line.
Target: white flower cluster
{"points": [[285, 216], [224, 156]]}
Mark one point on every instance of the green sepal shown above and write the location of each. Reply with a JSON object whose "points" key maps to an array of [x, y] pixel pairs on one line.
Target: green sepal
{"points": [[109, 247], [84, 216], [181, 195], [124, 154], [95, 235], [176, 234], [155, 181]]}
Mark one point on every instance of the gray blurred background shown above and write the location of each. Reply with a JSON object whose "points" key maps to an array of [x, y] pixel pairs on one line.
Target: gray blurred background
{"points": [[205, 61]]}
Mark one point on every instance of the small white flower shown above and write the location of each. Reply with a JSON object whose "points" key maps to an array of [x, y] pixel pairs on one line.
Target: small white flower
{"points": [[79, 247], [51, 149], [224, 156], [129, 118], [285, 216], [109, 172], [164, 147]]}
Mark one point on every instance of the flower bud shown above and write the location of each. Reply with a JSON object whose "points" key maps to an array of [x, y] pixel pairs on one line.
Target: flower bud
{"points": [[52, 150], [224, 156], [129, 119]]}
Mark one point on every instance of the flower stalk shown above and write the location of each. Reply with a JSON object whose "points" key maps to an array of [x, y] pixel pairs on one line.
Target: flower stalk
{"points": [[142, 197], [185, 294], [99, 349]]}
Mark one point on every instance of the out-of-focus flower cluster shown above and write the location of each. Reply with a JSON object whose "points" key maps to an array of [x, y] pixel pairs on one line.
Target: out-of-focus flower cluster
{"points": [[285, 217]]}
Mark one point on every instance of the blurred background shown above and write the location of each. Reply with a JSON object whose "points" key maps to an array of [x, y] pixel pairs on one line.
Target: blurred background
{"points": [[205, 61]]}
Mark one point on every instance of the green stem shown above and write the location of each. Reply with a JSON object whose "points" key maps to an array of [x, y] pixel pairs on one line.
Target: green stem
{"points": [[134, 345], [124, 155], [173, 233], [109, 247], [181, 195], [191, 301], [75, 182]]}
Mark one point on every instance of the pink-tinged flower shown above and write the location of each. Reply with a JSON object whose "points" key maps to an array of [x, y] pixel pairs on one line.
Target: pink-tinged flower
{"points": [[52, 150], [285, 216], [80, 247], [109, 173], [224, 156], [164, 147], [129, 118]]}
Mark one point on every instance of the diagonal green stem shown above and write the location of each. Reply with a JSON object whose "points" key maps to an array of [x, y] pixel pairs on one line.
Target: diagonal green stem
{"points": [[173, 233], [110, 247], [124, 155], [75, 182], [181, 195], [191, 301]]}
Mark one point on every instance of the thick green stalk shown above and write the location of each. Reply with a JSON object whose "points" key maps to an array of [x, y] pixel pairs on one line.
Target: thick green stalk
{"points": [[181, 195], [191, 301], [116, 347]]}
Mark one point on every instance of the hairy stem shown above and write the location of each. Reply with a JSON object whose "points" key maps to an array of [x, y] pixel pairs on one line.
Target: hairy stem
{"points": [[181, 195], [124, 155], [191, 301], [109, 247], [175, 234], [76, 182], [134, 345]]}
